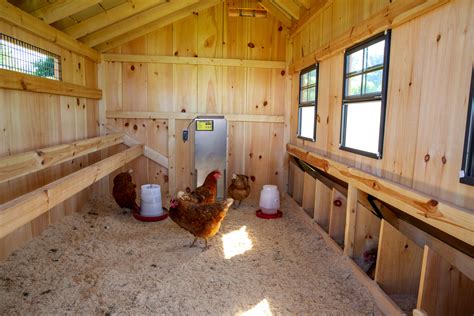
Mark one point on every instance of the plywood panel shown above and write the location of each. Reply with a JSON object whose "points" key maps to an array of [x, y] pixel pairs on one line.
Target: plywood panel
{"points": [[337, 216], [322, 205], [443, 288], [398, 262], [309, 188], [367, 231]]}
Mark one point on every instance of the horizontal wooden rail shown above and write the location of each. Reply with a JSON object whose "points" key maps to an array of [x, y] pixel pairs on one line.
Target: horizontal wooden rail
{"points": [[15, 166], [20, 18], [19, 81], [392, 15], [454, 221], [190, 116], [150, 153], [194, 61], [25, 208]]}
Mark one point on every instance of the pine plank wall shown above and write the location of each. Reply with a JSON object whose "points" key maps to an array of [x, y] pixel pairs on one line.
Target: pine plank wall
{"points": [[428, 93], [255, 148], [30, 121]]}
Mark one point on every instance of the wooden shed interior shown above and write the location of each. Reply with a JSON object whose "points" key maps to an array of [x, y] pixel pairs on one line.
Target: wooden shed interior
{"points": [[130, 75]]}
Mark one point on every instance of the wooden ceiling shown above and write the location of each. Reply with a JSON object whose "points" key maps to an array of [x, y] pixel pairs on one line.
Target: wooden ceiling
{"points": [[104, 24]]}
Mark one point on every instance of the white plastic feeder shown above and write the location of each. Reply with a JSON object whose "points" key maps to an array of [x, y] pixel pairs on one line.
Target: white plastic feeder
{"points": [[151, 200], [269, 199]]}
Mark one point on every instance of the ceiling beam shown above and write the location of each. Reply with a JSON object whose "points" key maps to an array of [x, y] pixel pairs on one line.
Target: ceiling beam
{"points": [[155, 25], [309, 16], [61, 9], [135, 21], [276, 12], [17, 17], [110, 16], [303, 3], [289, 7]]}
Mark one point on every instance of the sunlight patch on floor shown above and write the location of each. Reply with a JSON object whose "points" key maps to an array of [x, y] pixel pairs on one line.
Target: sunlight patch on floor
{"points": [[262, 308], [236, 242]]}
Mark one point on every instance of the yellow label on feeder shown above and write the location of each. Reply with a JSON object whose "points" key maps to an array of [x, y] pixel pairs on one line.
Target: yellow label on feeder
{"points": [[205, 126]]}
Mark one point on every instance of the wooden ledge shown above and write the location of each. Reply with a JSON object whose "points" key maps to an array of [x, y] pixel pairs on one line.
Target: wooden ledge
{"points": [[19, 81], [190, 116], [25, 208], [454, 221], [194, 61]]}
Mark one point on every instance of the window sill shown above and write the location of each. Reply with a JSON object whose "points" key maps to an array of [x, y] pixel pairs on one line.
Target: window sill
{"points": [[467, 180], [360, 152], [306, 138]]}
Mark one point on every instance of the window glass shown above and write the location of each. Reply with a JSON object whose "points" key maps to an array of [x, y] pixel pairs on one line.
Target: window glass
{"points": [[307, 103], [363, 105], [375, 54], [363, 126], [373, 81], [354, 85], [354, 61], [307, 120]]}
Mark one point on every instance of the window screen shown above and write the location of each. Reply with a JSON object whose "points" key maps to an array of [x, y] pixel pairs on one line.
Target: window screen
{"points": [[307, 106], [467, 172], [19, 56], [364, 96]]}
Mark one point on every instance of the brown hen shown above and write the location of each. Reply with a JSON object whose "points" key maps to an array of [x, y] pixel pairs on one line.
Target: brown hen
{"points": [[239, 188], [207, 192], [201, 220], [124, 191]]}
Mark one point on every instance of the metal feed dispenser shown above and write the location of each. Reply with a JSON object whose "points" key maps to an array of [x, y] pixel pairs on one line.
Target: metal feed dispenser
{"points": [[210, 149]]}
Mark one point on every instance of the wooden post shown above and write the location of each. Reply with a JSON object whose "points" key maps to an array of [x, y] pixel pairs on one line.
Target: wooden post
{"points": [[172, 156], [351, 209]]}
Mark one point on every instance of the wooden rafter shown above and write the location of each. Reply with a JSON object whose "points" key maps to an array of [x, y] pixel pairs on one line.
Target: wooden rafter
{"points": [[276, 12], [303, 3], [25, 208], [312, 13], [23, 20], [15, 166], [150, 27], [61, 9], [109, 17], [289, 7], [136, 21]]}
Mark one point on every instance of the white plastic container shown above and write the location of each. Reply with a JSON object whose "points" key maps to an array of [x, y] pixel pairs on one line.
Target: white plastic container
{"points": [[269, 199], [151, 200]]}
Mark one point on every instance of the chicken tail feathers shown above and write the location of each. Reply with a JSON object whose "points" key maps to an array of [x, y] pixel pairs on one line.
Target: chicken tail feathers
{"points": [[136, 208]]}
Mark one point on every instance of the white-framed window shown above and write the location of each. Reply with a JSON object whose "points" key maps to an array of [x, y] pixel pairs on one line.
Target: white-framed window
{"points": [[307, 105], [16, 55], [364, 96]]}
